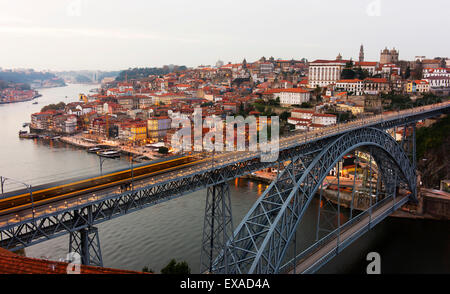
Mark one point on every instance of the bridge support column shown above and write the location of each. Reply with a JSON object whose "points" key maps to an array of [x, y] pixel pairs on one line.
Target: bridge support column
{"points": [[86, 243], [217, 227], [328, 212], [409, 142]]}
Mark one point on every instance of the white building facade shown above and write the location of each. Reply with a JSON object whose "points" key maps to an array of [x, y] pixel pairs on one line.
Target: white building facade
{"points": [[325, 72], [355, 86], [292, 96]]}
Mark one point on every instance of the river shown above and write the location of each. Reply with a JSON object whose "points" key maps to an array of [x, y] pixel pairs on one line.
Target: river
{"points": [[152, 236]]}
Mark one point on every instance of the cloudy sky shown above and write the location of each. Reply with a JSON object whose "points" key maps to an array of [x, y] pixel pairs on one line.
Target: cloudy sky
{"points": [[117, 34]]}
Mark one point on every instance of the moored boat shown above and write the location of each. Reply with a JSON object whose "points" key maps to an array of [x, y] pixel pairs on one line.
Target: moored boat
{"points": [[26, 135], [94, 150], [110, 154]]}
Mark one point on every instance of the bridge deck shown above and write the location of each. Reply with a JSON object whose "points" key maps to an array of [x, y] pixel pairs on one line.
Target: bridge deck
{"points": [[321, 255], [227, 165]]}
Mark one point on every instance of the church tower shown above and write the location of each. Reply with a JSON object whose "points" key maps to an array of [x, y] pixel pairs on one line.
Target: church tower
{"points": [[361, 54]]}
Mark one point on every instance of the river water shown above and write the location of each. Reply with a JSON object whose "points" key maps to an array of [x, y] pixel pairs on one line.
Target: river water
{"points": [[152, 236]]}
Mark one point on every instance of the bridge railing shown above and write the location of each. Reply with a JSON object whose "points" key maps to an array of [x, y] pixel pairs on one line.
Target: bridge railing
{"points": [[379, 118], [291, 264]]}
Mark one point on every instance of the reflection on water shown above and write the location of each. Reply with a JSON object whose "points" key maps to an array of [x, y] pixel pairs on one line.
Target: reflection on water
{"points": [[38, 161]]}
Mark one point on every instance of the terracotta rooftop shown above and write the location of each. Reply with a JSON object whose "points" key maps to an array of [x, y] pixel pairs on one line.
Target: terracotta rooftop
{"points": [[11, 263], [288, 90]]}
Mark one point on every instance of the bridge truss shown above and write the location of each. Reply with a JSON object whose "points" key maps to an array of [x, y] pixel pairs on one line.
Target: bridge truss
{"points": [[261, 240]]}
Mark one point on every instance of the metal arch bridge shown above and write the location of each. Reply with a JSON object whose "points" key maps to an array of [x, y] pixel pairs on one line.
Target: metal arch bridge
{"points": [[260, 242]]}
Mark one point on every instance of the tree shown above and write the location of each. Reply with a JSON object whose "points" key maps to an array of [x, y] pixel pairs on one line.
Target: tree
{"points": [[305, 105], [348, 74], [361, 73], [268, 112], [407, 72], [259, 107], [284, 116], [147, 270], [163, 150], [317, 93], [139, 73], [61, 105], [418, 71], [397, 101], [241, 108], [176, 268], [275, 102], [206, 104], [349, 64]]}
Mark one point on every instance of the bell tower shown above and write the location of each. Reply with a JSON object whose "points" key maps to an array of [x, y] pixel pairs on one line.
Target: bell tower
{"points": [[361, 53]]}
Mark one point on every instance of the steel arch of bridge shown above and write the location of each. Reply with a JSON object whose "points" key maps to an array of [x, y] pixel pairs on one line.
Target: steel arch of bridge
{"points": [[261, 240]]}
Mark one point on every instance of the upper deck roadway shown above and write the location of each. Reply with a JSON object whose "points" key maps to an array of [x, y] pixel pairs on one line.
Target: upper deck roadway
{"points": [[318, 254], [187, 178]]}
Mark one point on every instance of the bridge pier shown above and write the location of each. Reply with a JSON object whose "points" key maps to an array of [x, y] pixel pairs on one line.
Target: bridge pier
{"points": [[409, 142], [217, 227], [86, 243]]}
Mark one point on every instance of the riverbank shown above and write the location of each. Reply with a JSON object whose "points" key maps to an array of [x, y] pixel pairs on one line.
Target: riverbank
{"points": [[3, 101], [139, 153], [78, 142], [432, 205], [261, 176]]}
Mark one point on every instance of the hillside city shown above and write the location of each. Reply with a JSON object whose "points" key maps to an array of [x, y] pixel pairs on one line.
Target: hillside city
{"points": [[135, 109]]}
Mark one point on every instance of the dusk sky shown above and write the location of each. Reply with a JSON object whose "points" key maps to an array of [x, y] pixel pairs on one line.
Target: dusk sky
{"points": [[116, 34]]}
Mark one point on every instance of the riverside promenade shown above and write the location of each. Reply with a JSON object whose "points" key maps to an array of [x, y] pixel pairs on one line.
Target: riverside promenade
{"points": [[81, 142], [78, 142]]}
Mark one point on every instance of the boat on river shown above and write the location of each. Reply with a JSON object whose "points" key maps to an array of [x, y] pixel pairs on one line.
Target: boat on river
{"points": [[110, 154], [94, 150], [26, 135]]}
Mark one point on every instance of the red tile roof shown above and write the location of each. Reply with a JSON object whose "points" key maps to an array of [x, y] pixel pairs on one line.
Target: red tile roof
{"points": [[376, 80], [349, 81], [11, 263], [366, 63], [299, 119], [288, 90], [303, 111], [329, 61], [431, 61], [324, 115]]}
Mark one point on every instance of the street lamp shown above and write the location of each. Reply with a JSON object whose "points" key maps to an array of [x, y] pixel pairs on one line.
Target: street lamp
{"points": [[132, 184], [102, 159], [2, 180], [28, 187]]}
